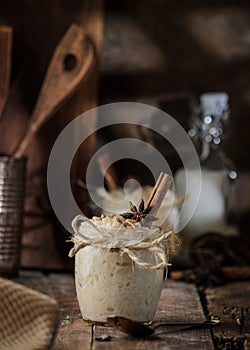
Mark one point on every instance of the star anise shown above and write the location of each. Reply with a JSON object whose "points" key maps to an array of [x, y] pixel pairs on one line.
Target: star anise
{"points": [[140, 214]]}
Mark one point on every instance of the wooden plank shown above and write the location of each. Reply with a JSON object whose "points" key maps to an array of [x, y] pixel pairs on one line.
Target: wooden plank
{"points": [[58, 285], [87, 97], [72, 331], [179, 302], [231, 303], [91, 18]]}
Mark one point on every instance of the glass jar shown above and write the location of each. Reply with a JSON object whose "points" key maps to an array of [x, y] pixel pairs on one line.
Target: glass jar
{"points": [[119, 272], [217, 171]]}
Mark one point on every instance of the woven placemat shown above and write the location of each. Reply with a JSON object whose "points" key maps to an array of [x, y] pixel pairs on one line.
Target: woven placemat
{"points": [[27, 318]]}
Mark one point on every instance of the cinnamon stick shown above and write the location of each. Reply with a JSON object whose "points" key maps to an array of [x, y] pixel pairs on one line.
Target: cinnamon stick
{"points": [[230, 273], [158, 193]]}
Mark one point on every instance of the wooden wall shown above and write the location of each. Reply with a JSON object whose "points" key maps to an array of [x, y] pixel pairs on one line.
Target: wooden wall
{"points": [[168, 52], [37, 28], [160, 52]]}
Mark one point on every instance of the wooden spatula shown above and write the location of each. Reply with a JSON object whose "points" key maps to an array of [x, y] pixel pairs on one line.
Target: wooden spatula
{"points": [[5, 64], [71, 61]]}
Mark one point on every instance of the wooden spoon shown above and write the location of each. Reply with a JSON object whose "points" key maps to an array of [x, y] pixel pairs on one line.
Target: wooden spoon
{"points": [[137, 329], [72, 60], [5, 64]]}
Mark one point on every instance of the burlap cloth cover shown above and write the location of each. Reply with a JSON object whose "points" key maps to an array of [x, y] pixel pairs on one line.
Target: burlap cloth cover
{"points": [[27, 317]]}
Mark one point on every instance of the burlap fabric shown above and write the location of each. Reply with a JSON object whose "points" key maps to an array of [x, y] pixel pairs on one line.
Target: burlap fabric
{"points": [[27, 317]]}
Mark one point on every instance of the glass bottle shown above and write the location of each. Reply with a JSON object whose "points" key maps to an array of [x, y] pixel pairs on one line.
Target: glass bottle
{"points": [[217, 171]]}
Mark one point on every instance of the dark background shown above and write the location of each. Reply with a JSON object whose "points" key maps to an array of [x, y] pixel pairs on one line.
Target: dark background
{"points": [[162, 52]]}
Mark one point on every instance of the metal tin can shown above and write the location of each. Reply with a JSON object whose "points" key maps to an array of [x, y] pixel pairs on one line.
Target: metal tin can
{"points": [[12, 194]]}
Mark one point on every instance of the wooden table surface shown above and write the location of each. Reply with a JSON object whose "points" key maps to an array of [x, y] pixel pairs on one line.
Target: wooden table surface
{"points": [[180, 301]]}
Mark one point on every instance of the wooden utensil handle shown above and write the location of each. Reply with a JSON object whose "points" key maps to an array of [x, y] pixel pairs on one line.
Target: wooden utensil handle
{"points": [[73, 58], [5, 64]]}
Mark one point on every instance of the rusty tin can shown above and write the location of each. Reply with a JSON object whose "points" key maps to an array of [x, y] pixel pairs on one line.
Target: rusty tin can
{"points": [[12, 194]]}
